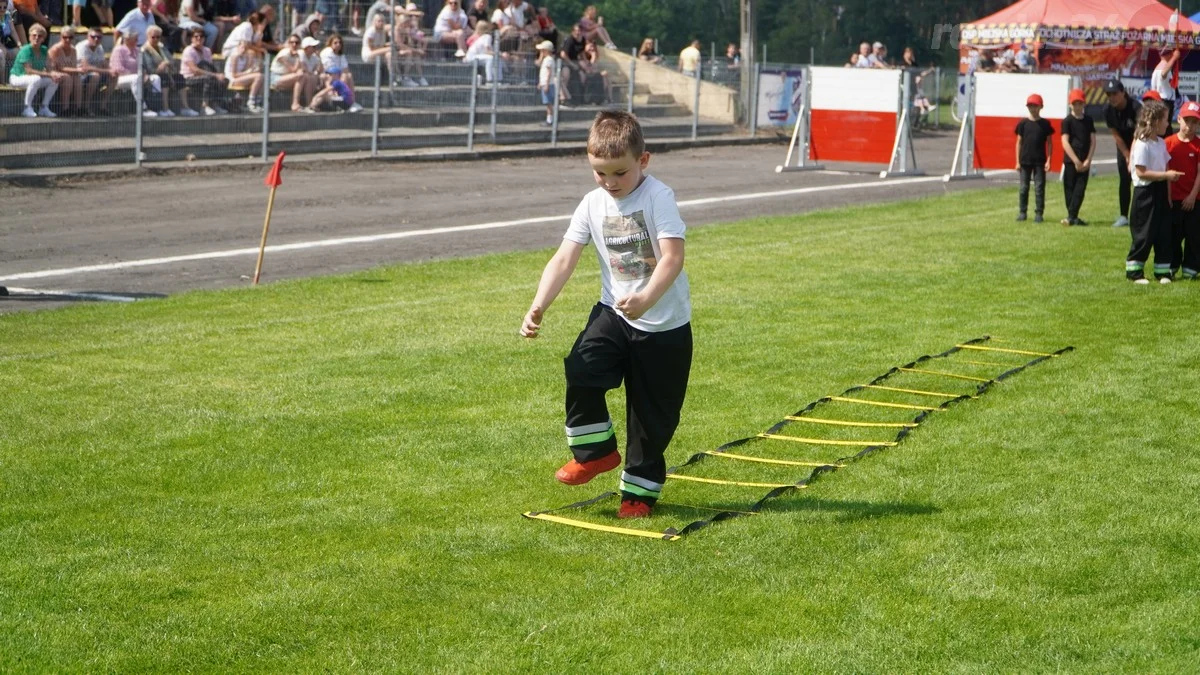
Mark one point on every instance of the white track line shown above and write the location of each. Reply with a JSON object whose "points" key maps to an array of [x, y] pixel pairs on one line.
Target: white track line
{"points": [[373, 238]]}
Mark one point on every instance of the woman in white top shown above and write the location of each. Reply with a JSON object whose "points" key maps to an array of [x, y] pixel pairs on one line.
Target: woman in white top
{"points": [[243, 68], [410, 46], [374, 44], [450, 28], [287, 74], [192, 15]]}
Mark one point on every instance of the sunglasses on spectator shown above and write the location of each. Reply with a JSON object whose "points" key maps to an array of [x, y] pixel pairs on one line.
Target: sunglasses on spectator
{"points": [[293, 42], [93, 37]]}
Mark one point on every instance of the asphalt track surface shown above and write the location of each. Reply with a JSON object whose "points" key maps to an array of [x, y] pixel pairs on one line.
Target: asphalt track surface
{"points": [[137, 237]]}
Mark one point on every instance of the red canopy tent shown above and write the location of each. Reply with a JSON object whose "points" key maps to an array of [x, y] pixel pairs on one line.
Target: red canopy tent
{"points": [[1092, 39]]}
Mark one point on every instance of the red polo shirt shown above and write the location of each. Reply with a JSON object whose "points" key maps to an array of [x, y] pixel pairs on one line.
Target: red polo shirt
{"points": [[1184, 158]]}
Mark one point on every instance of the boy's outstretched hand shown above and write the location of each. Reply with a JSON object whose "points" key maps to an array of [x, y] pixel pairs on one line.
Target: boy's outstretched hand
{"points": [[532, 323]]}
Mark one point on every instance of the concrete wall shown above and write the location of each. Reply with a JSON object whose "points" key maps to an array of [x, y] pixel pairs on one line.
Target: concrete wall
{"points": [[717, 102]]}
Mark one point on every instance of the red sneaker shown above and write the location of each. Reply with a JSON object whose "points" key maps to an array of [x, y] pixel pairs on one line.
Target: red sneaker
{"points": [[631, 508], [578, 473]]}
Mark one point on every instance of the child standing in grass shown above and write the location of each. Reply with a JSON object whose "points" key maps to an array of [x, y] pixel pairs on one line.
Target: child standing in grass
{"points": [[639, 332], [1149, 219], [1034, 149], [1079, 144], [1184, 149]]}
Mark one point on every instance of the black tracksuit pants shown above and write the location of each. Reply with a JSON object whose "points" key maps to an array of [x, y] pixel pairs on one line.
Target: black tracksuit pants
{"points": [[1036, 173], [1075, 184], [1150, 228], [655, 368], [1185, 239], [1125, 186]]}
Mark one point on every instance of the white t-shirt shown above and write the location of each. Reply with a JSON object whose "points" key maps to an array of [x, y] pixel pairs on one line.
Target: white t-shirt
{"points": [[480, 49], [372, 39], [1151, 154], [517, 11], [1160, 81], [243, 32], [442, 24], [546, 72], [626, 233], [500, 19], [867, 61], [95, 57], [331, 60]]}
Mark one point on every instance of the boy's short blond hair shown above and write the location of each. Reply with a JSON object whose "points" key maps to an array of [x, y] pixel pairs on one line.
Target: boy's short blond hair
{"points": [[615, 133]]}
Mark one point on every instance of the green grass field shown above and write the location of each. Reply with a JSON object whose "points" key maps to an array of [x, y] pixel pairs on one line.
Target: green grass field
{"points": [[328, 474]]}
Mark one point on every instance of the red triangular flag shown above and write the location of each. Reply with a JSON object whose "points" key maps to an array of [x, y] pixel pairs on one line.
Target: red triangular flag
{"points": [[275, 177]]}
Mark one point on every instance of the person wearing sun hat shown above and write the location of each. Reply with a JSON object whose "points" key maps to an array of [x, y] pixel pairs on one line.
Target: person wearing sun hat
{"points": [[546, 84], [1033, 149], [1079, 146], [1184, 149]]}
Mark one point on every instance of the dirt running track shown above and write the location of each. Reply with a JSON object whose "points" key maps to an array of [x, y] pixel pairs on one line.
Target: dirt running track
{"points": [[102, 221]]}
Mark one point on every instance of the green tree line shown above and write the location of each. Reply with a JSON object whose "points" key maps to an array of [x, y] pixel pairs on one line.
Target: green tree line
{"points": [[828, 31]]}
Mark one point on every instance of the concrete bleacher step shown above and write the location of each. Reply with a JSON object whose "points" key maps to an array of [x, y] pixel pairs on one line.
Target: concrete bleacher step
{"points": [[239, 145], [283, 120]]}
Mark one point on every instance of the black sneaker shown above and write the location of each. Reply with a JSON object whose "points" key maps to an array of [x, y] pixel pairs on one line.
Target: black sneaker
{"points": [[1080, 222], [1037, 218], [1021, 217]]}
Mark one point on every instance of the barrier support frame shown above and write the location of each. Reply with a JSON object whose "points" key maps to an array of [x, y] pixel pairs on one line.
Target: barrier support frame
{"points": [[963, 167], [904, 155], [801, 134]]}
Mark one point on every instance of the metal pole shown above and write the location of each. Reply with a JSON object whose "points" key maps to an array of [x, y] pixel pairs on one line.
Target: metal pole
{"points": [[632, 79], [266, 108], [937, 120], [696, 106], [471, 113], [391, 40], [375, 111], [139, 100], [557, 99], [495, 81], [754, 100], [712, 50]]}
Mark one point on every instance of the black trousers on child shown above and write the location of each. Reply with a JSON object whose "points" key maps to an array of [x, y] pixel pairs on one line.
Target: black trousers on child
{"points": [[1150, 228], [1036, 172], [1074, 186], [655, 368], [1185, 229], [1125, 186]]}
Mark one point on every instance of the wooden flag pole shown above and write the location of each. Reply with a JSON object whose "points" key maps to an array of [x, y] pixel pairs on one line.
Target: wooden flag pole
{"points": [[273, 181]]}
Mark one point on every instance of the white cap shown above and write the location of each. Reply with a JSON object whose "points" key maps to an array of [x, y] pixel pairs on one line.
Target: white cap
{"points": [[310, 42], [877, 45], [545, 45]]}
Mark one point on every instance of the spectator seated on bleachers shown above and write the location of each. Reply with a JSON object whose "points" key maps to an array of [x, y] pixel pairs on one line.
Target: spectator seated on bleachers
{"points": [[648, 52], [311, 27], [337, 69], [591, 55], [450, 28], [225, 15], [524, 17], [410, 45], [324, 96], [482, 51], [31, 71], [478, 12], [65, 63], [135, 22], [375, 45], [593, 27], [287, 75], [196, 14], [102, 8], [243, 70], [166, 17], [502, 22], [201, 75], [97, 76], [156, 59], [249, 31]]}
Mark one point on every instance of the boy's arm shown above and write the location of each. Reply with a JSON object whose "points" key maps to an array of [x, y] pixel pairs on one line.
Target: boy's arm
{"points": [[1049, 150], [1091, 151], [554, 277], [1189, 202], [670, 264], [1018, 152], [1070, 152]]}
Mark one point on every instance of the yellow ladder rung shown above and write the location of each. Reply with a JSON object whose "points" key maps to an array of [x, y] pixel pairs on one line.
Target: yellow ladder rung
{"points": [[846, 423], [988, 363], [785, 462], [602, 528], [938, 372], [883, 404], [999, 349], [938, 394], [715, 481], [822, 441]]}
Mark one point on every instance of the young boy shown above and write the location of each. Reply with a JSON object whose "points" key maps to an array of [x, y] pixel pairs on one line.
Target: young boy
{"points": [[639, 332], [1079, 144], [1184, 149], [1033, 157]]}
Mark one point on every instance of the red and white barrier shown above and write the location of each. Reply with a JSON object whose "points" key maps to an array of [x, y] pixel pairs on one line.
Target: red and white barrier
{"points": [[989, 128], [853, 115]]}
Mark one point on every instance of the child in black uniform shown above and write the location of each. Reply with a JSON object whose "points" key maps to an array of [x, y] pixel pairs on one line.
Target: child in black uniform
{"points": [[1033, 157], [1079, 144]]}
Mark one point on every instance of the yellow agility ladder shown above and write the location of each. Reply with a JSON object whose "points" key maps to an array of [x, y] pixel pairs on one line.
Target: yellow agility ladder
{"points": [[850, 399]]}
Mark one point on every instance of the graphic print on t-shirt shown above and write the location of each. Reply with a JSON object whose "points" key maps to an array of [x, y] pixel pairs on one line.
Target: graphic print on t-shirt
{"points": [[630, 251]]}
